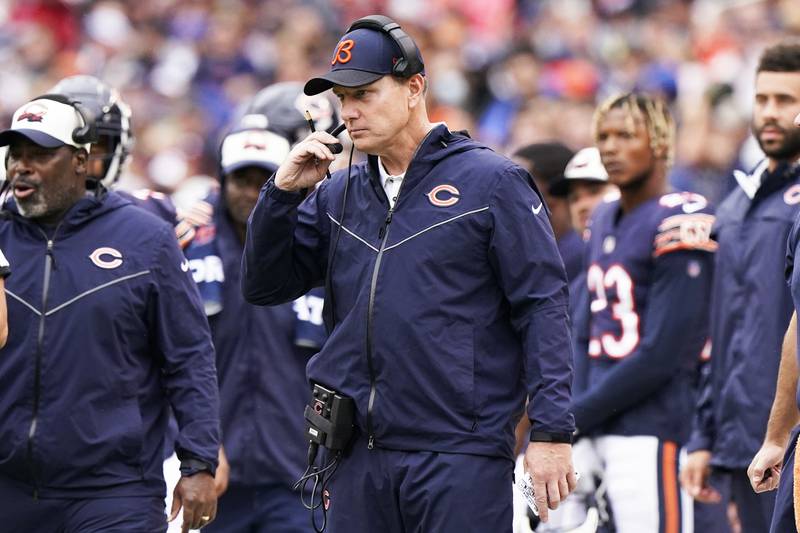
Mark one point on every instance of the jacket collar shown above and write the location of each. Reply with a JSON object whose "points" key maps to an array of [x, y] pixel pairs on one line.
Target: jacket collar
{"points": [[784, 173], [439, 144], [83, 211]]}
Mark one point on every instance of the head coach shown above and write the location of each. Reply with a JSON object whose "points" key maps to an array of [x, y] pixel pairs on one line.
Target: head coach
{"points": [[446, 301]]}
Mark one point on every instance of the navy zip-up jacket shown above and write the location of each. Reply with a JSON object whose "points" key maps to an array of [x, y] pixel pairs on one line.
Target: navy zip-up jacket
{"points": [[450, 308], [750, 311], [262, 354], [106, 328]]}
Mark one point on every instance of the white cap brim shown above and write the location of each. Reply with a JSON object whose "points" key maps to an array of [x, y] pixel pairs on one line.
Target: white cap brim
{"points": [[257, 148]]}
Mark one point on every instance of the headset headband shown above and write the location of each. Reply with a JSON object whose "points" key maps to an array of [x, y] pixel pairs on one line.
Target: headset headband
{"points": [[87, 132], [410, 63]]}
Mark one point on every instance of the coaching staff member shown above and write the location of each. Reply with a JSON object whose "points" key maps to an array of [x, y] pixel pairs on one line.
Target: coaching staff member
{"points": [[447, 301], [107, 330]]}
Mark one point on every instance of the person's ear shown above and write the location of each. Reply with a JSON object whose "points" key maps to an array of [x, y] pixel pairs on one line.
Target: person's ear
{"points": [[416, 89], [80, 161], [660, 152]]}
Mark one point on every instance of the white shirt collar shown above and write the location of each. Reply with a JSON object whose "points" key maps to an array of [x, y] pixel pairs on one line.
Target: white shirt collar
{"points": [[385, 176], [391, 184]]}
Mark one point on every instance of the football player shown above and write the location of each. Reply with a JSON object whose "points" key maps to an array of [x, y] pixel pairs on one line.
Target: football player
{"points": [[261, 351], [649, 267], [111, 117]]}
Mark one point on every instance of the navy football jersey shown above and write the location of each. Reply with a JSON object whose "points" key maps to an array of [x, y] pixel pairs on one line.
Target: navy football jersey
{"points": [[649, 274], [161, 206]]}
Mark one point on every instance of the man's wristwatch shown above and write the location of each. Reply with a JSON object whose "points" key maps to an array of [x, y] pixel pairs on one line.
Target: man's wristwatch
{"points": [[547, 436], [192, 466]]}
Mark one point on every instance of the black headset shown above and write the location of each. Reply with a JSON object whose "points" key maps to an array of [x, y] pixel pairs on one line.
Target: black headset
{"points": [[85, 134], [411, 62], [407, 66]]}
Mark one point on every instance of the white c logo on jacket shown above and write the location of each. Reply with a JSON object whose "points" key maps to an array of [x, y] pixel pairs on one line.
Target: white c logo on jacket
{"points": [[98, 259], [450, 196]]}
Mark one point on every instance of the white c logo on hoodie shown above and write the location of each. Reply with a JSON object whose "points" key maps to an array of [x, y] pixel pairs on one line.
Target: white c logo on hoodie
{"points": [[98, 259]]}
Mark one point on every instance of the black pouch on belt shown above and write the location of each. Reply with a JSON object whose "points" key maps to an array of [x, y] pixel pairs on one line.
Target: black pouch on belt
{"points": [[329, 418]]}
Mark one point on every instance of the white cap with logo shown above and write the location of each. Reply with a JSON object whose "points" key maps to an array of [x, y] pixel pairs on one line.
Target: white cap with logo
{"points": [[259, 148], [585, 165], [46, 122]]}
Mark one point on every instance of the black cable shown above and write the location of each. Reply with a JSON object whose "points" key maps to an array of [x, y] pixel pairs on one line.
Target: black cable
{"points": [[314, 472], [321, 477], [330, 470], [329, 273]]}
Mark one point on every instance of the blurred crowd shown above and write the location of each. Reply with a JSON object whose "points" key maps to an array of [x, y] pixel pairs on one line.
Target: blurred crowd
{"points": [[512, 72]]}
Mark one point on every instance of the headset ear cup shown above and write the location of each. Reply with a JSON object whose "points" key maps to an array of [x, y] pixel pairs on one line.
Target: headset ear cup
{"points": [[86, 134], [410, 63], [399, 69], [81, 135]]}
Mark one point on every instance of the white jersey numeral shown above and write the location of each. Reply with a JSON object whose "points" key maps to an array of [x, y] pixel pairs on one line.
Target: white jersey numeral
{"points": [[623, 310], [309, 309]]}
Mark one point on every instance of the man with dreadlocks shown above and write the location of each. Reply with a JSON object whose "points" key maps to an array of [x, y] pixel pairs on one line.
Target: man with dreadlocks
{"points": [[649, 278], [751, 304]]}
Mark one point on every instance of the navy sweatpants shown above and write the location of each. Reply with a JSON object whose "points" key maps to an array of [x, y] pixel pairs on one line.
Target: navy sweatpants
{"points": [[783, 517], [19, 511], [414, 492], [754, 510], [260, 509], [711, 517]]}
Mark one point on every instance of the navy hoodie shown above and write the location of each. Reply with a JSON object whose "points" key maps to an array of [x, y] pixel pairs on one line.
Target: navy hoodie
{"points": [[448, 310], [106, 329], [750, 311]]}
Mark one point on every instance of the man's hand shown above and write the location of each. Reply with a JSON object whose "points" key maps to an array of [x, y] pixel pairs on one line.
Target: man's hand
{"points": [[306, 164], [550, 467], [196, 494], [694, 477], [223, 474], [765, 470]]}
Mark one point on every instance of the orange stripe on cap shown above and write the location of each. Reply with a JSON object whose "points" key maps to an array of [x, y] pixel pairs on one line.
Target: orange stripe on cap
{"points": [[672, 518]]}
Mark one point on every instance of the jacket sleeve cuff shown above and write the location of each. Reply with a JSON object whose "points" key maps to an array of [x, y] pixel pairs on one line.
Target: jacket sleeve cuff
{"points": [[698, 441], [285, 197]]}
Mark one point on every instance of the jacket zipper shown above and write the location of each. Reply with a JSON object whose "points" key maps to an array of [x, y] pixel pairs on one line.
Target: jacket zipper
{"points": [[37, 379], [383, 234]]}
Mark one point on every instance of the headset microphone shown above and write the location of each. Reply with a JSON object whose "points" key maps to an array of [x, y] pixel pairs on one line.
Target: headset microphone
{"points": [[337, 148]]}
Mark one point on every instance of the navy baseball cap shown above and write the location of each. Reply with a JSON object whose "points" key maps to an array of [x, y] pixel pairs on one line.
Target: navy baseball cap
{"points": [[361, 57]]}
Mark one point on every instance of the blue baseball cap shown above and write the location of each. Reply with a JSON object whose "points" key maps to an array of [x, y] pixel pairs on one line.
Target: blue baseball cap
{"points": [[361, 57]]}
